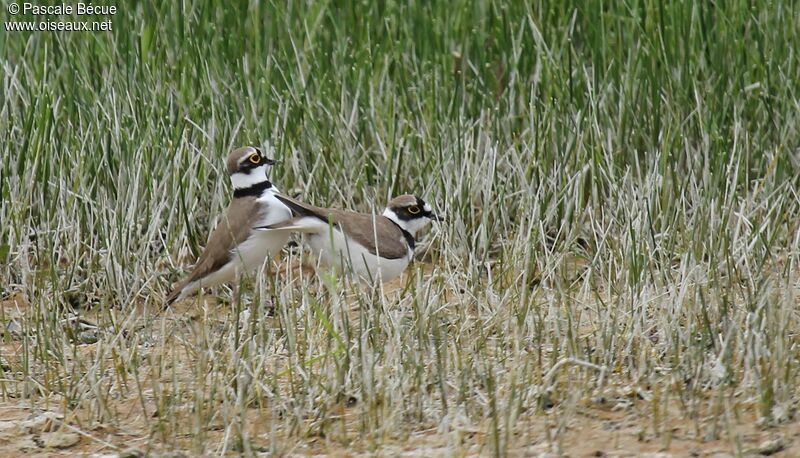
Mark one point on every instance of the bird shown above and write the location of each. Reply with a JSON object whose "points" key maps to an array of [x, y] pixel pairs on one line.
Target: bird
{"points": [[376, 247], [235, 247]]}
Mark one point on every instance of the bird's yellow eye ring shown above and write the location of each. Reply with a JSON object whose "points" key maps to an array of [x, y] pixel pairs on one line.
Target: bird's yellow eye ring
{"points": [[255, 158], [413, 210]]}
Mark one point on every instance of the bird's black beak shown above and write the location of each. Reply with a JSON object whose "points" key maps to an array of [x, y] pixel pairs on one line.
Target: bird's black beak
{"points": [[267, 160], [436, 217]]}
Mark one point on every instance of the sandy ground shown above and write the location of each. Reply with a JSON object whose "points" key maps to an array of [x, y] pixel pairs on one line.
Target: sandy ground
{"points": [[38, 426], [595, 433]]}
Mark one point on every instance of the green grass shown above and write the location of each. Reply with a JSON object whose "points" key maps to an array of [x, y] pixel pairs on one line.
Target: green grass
{"points": [[620, 180]]}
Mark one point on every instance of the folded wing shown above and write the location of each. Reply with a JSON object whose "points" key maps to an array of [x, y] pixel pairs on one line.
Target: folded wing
{"points": [[363, 228]]}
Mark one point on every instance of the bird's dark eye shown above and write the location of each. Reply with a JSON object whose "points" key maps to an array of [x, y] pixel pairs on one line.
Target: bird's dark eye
{"points": [[255, 158], [413, 210]]}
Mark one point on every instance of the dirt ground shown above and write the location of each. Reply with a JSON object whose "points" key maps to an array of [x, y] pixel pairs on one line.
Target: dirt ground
{"points": [[595, 433], [37, 426]]}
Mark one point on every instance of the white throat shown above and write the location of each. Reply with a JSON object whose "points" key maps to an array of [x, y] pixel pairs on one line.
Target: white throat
{"points": [[245, 180], [411, 226]]}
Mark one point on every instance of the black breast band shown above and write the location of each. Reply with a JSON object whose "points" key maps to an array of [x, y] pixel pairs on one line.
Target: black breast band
{"points": [[254, 190], [406, 234]]}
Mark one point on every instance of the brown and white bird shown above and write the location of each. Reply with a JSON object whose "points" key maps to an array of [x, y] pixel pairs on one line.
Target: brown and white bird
{"points": [[376, 247], [235, 246]]}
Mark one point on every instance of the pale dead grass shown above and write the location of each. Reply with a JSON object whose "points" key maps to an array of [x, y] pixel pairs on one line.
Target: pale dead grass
{"points": [[616, 420]]}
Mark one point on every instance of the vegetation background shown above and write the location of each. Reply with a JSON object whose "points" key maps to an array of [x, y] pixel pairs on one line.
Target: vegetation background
{"points": [[619, 273]]}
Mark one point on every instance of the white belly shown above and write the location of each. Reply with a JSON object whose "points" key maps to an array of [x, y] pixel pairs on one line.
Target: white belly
{"points": [[336, 252], [252, 253]]}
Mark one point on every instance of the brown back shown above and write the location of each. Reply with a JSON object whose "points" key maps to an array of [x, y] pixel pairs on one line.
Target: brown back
{"points": [[363, 228], [234, 228]]}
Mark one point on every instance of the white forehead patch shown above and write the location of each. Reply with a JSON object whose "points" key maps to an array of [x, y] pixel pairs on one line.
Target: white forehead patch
{"points": [[428, 207]]}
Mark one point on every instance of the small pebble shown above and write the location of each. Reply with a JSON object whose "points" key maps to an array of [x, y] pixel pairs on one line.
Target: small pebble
{"points": [[88, 337], [60, 439], [771, 447], [45, 422], [131, 453]]}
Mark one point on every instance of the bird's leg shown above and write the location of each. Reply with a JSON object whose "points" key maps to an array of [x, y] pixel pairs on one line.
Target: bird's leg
{"points": [[235, 292]]}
